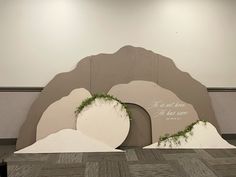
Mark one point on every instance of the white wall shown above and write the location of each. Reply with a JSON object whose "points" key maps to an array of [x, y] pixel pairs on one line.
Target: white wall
{"points": [[39, 38]]}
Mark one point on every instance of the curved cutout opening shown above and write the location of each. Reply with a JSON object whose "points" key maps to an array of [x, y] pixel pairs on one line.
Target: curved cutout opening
{"points": [[140, 133]]}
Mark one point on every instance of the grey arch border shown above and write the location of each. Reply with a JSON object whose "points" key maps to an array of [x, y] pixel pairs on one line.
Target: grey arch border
{"points": [[139, 107], [149, 117]]}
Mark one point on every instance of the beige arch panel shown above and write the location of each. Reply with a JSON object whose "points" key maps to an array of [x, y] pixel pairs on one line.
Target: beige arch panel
{"points": [[168, 113], [99, 73], [60, 114]]}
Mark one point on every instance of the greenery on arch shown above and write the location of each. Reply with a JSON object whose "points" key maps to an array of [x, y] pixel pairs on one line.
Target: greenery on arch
{"points": [[105, 97]]}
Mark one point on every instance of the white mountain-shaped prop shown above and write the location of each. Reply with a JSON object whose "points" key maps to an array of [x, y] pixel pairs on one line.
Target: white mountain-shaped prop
{"points": [[67, 140], [203, 135], [102, 125]]}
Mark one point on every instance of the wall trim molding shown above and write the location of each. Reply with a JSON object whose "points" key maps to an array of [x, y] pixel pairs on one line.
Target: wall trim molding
{"points": [[39, 89], [8, 141], [230, 136], [221, 89], [21, 89]]}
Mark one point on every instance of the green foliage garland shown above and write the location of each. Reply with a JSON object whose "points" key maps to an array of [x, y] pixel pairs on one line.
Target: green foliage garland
{"points": [[105, 97], [175, 137]]}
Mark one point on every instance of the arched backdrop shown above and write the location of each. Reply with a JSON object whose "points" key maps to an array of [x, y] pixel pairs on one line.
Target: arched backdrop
{"points": [[100, 72]]}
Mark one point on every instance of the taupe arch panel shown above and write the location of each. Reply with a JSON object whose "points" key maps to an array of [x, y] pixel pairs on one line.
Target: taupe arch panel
{"points": [[128, 64], [186, 88], [100, 72]]}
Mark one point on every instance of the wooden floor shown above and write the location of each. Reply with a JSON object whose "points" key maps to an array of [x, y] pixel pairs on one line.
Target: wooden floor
{"points": [[132, 163]]}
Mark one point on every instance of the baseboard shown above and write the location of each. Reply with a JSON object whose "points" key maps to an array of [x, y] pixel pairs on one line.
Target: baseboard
{"points": [[8, 141]]}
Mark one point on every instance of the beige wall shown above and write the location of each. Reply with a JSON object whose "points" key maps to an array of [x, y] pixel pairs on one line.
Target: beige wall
{"points": [[15, 105], [39, 38]]}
